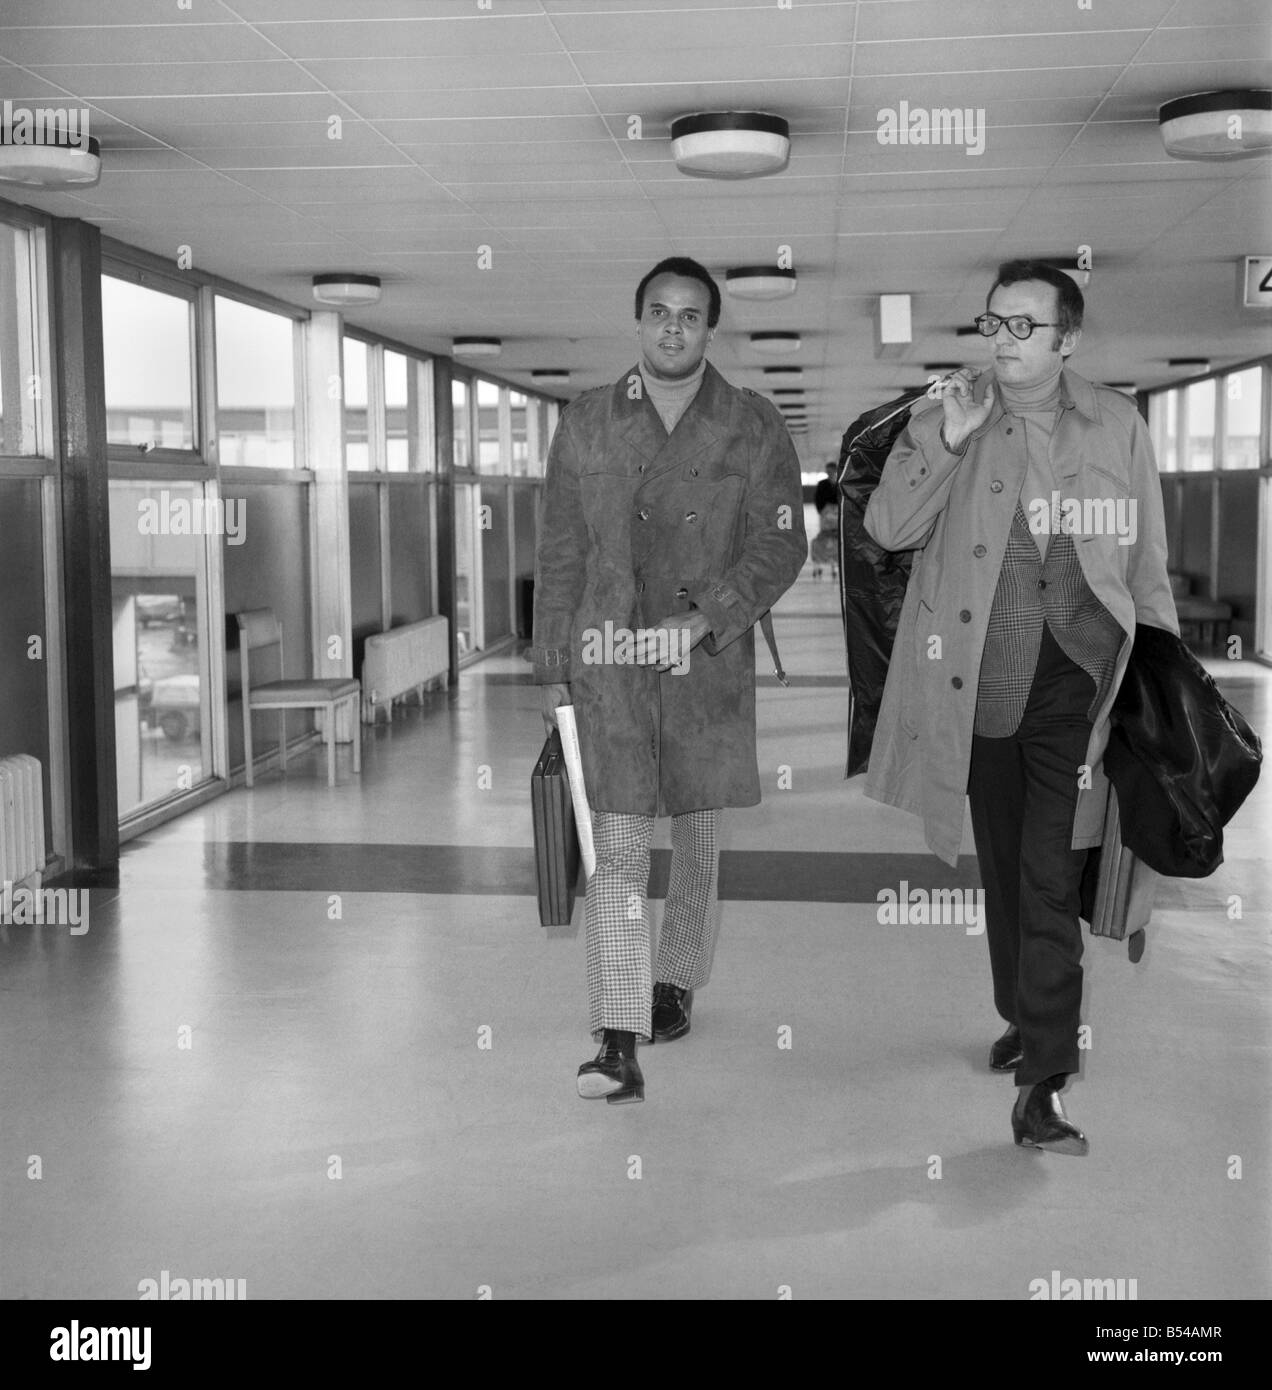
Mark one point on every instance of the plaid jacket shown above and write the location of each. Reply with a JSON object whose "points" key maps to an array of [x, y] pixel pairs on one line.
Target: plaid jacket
{"points": [[1032, 591]]}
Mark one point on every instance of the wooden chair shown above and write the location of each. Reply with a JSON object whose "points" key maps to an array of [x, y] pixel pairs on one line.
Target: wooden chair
{"points": [[259, 628]]}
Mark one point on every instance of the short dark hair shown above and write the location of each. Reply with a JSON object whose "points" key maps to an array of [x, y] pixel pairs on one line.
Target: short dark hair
{"points": [[1070, 306], [689, 270]]}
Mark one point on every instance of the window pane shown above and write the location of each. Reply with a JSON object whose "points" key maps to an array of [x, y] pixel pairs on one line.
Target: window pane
{"points": [[157, 603], [1201, 426], [255, 386], [423, 429], [488, 460], [357, 443], [401, 411], [517, 405], [1243, 404], [1162, 414], [19, 401], [149, 383], [459, 412]]}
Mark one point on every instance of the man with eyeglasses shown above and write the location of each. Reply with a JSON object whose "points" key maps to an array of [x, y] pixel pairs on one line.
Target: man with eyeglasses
{"points": [[1016, 629]]}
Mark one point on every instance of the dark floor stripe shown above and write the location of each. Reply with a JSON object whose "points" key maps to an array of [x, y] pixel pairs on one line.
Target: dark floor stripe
{"points": [[806, 876]]}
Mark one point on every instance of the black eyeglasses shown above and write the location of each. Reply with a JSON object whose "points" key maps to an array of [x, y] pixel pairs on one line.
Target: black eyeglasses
{"points": [[1019, 325]]}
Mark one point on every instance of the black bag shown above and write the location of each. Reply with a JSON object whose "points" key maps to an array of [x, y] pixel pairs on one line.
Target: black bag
{"points": [[1180, 758], [872, 580], [556, 840]]}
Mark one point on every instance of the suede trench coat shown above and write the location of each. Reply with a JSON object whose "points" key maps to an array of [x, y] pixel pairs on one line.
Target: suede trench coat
{"points": [[956, 511], [638, 525]]}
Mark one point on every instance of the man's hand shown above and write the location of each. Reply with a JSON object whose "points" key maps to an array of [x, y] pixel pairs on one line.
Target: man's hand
{"points": [[962, 414], [669, 642], [552, 696]]}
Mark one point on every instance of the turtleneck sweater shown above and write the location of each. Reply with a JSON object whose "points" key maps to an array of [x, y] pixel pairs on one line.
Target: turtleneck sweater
{"points": [[1037, 408], [672, 398]]}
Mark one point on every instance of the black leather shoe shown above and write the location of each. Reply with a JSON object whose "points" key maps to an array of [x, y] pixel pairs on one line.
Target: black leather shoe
{"points": [[671, 1012], [1038, 1120], [611, 1075], [1007, 1053]]}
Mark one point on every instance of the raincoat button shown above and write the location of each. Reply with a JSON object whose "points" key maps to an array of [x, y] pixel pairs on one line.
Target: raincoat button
{"points": [[995, 486], [965, 616], [1009, 429], [691, 516], [643, 513], [978, 551], [957, 682]]}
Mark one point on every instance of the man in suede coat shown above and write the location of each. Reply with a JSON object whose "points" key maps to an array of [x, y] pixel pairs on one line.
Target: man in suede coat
{"points": [[672, 521]]}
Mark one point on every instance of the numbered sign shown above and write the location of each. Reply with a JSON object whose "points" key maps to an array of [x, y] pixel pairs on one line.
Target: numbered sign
{"points": [[1258, 282]]}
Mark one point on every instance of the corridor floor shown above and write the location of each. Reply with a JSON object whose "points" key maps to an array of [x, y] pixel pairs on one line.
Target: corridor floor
{"points": [[317, 1041]]}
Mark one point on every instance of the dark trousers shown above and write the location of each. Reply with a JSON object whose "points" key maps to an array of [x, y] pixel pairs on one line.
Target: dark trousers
{"points": [[1023, 791]]}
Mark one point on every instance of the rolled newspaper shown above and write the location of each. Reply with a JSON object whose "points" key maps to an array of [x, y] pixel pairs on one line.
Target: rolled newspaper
{"points": [[569, 730]]}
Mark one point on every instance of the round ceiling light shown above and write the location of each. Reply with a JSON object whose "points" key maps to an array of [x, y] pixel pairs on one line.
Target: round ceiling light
{"points": [[777, 344], [730, 144], [340, 291], [60, 163], [1230, 124], [760, 282], [476, 347]]}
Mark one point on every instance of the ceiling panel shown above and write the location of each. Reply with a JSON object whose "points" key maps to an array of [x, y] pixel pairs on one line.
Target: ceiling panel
{"points": [[509, 128]]}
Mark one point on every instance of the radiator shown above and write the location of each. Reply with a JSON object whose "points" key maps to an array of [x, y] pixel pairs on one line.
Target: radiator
{"points": [[21, 821], [404, 659]]}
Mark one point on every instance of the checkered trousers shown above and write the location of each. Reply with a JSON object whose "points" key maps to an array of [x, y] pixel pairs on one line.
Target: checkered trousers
{"points": [[617, 918], [1032, 591]]}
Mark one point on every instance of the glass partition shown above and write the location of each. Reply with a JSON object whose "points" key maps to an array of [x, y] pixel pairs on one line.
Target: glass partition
{"points": [[146, 342], [356, 437], [1243, 415], [255, 386]]}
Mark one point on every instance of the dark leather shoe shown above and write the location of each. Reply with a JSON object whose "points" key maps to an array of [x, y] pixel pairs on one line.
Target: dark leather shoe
{"points": [[1008, 1052], [1040, 1122], [611, 1075], [671, 1012]]}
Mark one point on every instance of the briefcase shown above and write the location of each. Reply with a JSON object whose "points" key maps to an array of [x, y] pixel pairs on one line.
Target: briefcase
{"points": [[1118, 887], [556, 840]]}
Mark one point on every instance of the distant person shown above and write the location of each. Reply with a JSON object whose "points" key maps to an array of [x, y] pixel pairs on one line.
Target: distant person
{"points": [[824, 550], [673, 517], [1033, 503]]}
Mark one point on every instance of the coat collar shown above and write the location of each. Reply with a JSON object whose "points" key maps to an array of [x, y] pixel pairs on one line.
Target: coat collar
{"points": [[703, 424], [1076, 393]]}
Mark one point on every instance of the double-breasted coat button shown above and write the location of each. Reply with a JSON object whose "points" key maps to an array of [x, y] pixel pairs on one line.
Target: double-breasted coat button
{"points": [[643, 513], [957, 682], [1042, 583], [1009, 429], [978, 551], [693, 472], [965, 616], [691, 516], [995, 486]]}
